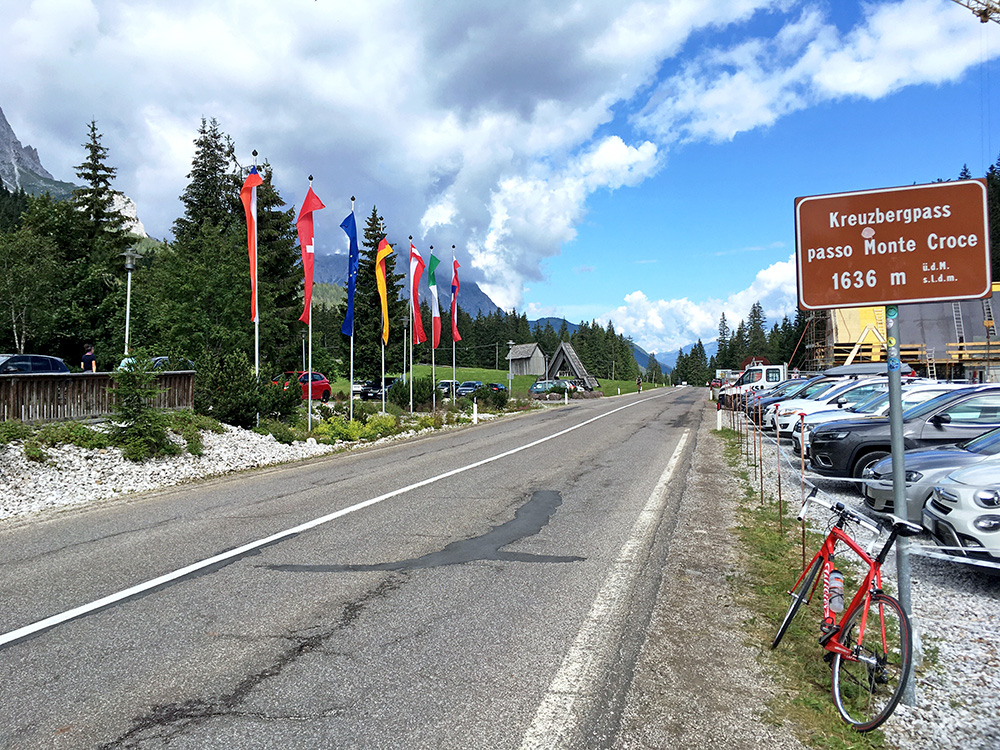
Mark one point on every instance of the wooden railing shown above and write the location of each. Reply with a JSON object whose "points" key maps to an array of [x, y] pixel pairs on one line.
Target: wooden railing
{"points": [[52, 398]]}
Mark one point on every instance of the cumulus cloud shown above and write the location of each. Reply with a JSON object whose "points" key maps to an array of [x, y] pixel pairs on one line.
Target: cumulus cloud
{"points": [[484, 125], [754, 82], [664, 326]]}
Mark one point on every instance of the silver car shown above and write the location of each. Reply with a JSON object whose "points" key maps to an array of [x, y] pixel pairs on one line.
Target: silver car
{"points": [[963, 513], [925, 468]]}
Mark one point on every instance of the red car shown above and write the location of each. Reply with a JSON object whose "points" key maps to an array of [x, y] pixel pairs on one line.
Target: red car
{"points": [[320, 384]]}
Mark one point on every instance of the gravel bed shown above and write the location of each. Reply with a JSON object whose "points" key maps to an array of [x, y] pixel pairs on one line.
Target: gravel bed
{"points": [[955, 614]]}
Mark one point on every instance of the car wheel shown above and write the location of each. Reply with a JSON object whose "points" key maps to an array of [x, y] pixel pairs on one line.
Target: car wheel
{"points": [[868, 459], [325, 397]]}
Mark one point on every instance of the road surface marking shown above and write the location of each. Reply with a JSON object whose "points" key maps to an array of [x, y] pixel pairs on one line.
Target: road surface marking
{"points": [[555, 720], [72, 614]]}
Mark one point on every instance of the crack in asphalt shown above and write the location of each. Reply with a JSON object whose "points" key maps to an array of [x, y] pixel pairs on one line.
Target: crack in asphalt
{"points": [[168, 720], [528, 520]]}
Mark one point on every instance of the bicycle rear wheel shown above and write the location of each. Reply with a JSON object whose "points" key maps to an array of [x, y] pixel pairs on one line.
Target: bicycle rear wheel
{"points": [[799, 594], [868, 685]]}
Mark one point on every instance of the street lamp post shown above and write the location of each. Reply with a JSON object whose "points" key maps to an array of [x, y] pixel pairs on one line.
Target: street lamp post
{"points": [[130, 256], [510, 367]]}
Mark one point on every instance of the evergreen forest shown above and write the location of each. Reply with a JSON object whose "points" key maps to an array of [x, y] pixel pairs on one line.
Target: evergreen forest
{"points": [[63, 285]]}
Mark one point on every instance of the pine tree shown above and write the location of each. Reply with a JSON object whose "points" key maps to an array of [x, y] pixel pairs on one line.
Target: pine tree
{"points": [[756, 333], [212, 192], [368, 308]]}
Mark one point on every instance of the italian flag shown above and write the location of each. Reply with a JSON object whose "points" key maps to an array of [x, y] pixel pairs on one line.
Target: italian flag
{"points": [[432, 264]]}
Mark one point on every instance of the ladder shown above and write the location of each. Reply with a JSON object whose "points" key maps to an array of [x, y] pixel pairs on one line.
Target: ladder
{"points": [[956, 311], [931, 365], [988, 316], [880, 320]]}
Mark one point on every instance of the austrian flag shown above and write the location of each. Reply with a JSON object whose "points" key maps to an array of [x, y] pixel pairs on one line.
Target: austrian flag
{"points": [[416, 271]]}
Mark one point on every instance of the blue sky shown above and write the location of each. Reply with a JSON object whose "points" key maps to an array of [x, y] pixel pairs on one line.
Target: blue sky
{"points": [[633, 162]]}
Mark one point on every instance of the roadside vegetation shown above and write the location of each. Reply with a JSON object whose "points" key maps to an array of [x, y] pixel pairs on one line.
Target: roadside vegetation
{"points": [[773, 559], [229, 393]]}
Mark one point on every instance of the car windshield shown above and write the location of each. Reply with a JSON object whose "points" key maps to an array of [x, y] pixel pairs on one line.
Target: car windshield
{"points": [[988, 444], [816, 390]]}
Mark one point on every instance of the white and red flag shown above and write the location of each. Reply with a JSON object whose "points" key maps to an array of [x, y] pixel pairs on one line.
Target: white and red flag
{"points": [[307, 242], [416, 271]]}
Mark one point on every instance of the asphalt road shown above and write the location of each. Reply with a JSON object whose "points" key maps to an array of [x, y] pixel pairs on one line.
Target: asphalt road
{"points": [[489, 587]]}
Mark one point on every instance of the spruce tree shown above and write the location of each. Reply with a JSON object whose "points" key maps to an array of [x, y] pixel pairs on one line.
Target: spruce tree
{"points": [[368, 308]]}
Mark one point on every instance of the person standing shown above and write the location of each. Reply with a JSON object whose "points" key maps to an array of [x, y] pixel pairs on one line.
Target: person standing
{"points": [[88, 363]]}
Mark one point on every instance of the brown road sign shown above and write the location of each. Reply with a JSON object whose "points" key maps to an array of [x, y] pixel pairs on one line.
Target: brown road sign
{"points": [[894, 245]]}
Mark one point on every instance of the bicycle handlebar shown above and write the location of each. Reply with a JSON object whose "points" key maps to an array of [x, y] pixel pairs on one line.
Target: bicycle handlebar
{"points": [[841, 510]]}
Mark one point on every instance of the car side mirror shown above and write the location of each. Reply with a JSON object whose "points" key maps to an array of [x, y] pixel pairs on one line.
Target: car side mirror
{"points": [[940, 419]]}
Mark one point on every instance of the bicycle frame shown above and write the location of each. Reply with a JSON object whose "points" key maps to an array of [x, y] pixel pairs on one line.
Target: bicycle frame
{"points": [[871, 583]]}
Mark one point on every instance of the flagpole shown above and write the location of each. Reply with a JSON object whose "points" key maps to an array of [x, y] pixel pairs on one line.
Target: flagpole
{"points": [[309, 404], [410, 326], [383, 376], [256, 317], [455, 315], [350, 395]]}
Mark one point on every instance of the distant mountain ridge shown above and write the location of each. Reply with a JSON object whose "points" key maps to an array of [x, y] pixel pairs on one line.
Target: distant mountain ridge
{"points": [[331, 268], [21, 169]]}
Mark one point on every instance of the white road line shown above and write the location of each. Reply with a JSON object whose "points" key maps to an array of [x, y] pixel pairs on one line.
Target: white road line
{"points": [[72, 614], [556, 718]]}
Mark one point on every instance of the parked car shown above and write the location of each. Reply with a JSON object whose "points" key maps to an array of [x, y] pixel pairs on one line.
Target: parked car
{"points": [[447, 387], [177, 363], [964, 511], [816, 389], [842, 395], [37, 363], [373, 390], [876, 406], [924, 468], [847, 447], [468, 387], [320, 384], [496, 386], [542, 386], [785, 389]]}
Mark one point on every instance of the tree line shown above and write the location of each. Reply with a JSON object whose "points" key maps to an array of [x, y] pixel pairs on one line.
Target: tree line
{"points": [[63, 282]]}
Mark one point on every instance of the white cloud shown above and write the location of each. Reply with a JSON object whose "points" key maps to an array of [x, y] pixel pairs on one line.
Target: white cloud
{"points": [[723, 92], [484, 125], [664, 326]]}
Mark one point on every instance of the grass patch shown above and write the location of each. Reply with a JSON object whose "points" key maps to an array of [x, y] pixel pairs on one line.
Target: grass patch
{"points": [[773, 560]]}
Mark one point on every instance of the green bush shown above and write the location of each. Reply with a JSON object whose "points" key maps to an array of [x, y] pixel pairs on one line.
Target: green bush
{"points": [[281, 431], [228, 390], [73, 433], [379, 426], [337, 427], [33, 451], [137, 426], [423, 391], [11, 431]]}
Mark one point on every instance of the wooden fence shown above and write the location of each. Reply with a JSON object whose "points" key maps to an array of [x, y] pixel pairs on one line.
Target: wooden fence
{"points": [[52, 398]]}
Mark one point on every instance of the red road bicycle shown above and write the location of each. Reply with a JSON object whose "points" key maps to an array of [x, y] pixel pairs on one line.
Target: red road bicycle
{"points": [[870, 648]]}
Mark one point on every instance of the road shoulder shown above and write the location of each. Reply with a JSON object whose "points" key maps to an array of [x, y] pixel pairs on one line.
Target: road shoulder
{"points": [[697, 683]]}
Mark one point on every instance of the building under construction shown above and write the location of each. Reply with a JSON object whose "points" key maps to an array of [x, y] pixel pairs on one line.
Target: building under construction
{"points": [[947, 340]]}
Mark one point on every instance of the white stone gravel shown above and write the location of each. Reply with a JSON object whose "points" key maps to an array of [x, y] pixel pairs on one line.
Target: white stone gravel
{"points": [[75, 476], [955, 613]]}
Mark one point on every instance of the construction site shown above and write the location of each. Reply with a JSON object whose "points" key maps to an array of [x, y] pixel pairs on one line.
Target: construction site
{"points": [[944, 340]]}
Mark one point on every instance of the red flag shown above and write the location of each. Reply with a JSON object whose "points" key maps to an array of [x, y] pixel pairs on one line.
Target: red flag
{"points": [[454, 303], [307, 240], [248, 196], [416, 271]]}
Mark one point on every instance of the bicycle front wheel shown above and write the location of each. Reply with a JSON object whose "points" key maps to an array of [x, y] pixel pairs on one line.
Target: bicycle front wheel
{"points": [[799, 594], [868, 684]]}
